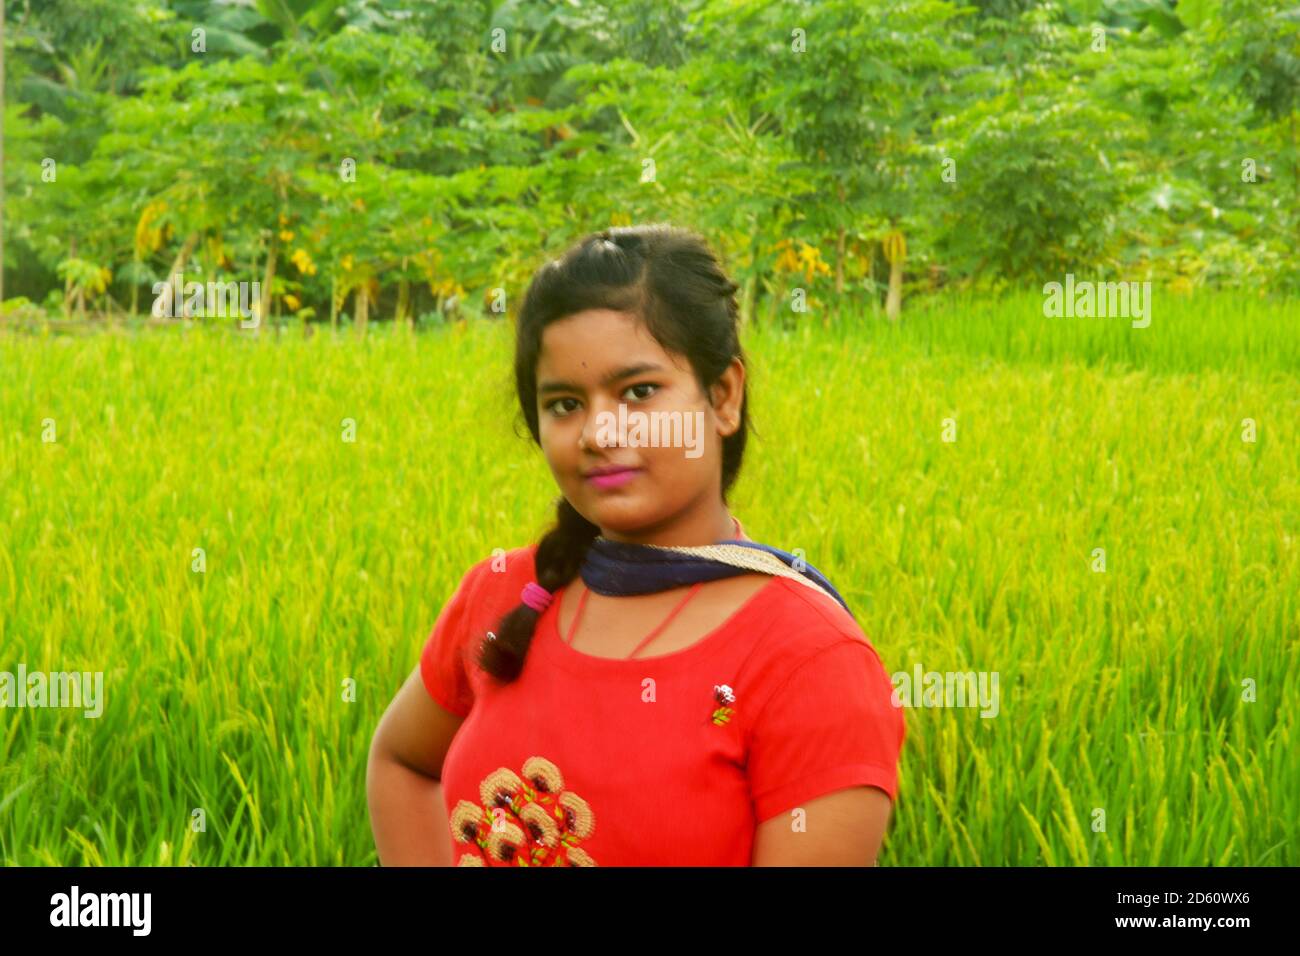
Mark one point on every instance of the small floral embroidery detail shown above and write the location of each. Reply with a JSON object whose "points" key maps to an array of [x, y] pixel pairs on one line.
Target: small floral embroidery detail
{"points": [[543, 774], [466, 819], [528, 820], [579, 857], [575, 816], [501, 788], [723, 695], [539, 825], [506, 845]]}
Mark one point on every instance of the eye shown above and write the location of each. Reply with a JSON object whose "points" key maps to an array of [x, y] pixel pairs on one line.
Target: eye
{"points": [[643, 385], [551, 407]]}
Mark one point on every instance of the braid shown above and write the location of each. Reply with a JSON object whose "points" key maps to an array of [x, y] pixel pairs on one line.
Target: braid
{"points": [[559, 556]]}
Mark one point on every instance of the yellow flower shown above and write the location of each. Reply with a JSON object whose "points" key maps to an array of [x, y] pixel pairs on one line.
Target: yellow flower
{"points": [[291, 301], [447, 288], [812, 262], [148, 237], [346, 263], [286, 235], [302, 260], [787, 261], [100, 282]]}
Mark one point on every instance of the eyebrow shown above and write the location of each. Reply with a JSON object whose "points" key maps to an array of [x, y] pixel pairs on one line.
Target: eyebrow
{"points": [[626, 372]]}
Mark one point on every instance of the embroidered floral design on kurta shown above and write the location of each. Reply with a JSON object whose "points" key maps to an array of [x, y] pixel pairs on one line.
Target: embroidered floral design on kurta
{"points": [[528, 820], [722, 696]]}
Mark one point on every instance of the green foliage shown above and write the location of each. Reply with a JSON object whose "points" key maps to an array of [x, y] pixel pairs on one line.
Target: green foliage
{"points": [[1035, 192], [1118, 690], [1122, 133], [1257, 47]]}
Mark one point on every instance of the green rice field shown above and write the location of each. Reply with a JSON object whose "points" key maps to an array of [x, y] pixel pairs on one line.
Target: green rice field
{"points": [[1162, 692]]}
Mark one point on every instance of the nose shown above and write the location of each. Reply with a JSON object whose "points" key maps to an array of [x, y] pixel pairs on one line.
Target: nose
{"points": [[601, 421]]}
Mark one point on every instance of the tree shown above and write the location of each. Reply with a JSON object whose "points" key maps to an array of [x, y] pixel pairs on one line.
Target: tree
{"points": [[849, 85]]}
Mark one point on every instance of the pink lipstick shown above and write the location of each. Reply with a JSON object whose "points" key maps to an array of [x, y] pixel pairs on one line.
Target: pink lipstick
{"points": [[613, 479]]}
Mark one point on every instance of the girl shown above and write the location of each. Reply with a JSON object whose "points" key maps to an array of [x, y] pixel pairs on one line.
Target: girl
{"points": [[645, 685]]}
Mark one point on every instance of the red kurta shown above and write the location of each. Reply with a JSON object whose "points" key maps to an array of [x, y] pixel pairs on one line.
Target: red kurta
{"points": [[587, 760]]}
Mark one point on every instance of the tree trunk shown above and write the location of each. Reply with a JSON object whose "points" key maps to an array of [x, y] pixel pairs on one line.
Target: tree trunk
{"points": [[363, 307], [67, 282], [839, 252], [839, 277], [334, 301], [894, 301], [749, 315], [264, 306], [178, 265], [403, 303]]}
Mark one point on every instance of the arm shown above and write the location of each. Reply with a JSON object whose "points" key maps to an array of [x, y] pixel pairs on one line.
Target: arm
{"points": [[843, 828], [407, 816], [827, 741]]}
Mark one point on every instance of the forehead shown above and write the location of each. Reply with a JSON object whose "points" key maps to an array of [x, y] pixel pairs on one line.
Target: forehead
{"points": [[587, 344]]}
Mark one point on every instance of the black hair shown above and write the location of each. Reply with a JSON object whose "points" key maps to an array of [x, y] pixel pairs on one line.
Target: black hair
{"points": [[667, 277]]}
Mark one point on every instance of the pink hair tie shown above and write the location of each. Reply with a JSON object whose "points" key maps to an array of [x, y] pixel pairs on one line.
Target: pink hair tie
{"points": [[536, 596]]}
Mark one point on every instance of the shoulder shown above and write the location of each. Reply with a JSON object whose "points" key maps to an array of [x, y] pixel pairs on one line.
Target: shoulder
{"points": [[815, 705], [494, 582], [486, 592], [804, 629], [803, 620]]}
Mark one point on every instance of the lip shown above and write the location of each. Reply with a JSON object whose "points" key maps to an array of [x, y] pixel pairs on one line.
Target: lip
{"points": [[612, 477]]}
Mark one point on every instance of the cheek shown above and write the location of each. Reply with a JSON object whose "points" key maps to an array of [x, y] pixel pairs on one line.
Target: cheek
{"points": [[675, 462], [555, 445]]}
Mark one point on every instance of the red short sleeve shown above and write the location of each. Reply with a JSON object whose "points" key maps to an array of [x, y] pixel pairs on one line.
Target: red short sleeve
{"points": [[829, 726], [442, 662]]}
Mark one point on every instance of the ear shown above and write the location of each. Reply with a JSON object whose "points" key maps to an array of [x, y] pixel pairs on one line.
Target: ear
{"points": [[726, 396]]}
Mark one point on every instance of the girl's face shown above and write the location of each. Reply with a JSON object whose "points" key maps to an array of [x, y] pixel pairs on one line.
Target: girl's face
{"points": [[671, 438]]}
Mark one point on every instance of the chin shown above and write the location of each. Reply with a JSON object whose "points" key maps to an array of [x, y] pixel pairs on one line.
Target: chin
{"points": [[622, 517]]}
